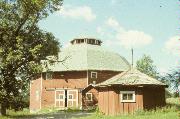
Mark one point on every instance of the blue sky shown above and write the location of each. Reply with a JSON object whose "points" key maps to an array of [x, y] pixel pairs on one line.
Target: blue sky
{"points": [[149, 26]]}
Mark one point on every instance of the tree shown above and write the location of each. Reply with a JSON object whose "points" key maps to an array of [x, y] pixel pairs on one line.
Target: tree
{"points": [[145, 65], [173, 80], [23, 44]]}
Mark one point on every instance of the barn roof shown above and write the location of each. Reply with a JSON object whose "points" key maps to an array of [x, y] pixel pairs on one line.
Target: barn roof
{"points": [[80, 57], [131, 77]]}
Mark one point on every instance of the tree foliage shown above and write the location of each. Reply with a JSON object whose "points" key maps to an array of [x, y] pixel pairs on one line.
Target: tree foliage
{"points": [[172, 79], [145, 65], [23, 44]]}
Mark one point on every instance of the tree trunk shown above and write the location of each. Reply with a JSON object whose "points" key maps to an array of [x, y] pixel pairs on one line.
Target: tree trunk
{"points": [[3, 109]]}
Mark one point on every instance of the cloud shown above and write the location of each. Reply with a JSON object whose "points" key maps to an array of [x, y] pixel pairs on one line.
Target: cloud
{"points": [[112, 22], [172, 46], [81, 12], [99, 30], [133, 38], [128, 38]]}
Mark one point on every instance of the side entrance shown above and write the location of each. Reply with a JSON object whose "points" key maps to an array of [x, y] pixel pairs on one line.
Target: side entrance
{"points": [[66, 98]]}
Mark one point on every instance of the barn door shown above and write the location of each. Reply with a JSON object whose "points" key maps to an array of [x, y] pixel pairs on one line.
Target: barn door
{"points": [[72, 98], [60, 98]]}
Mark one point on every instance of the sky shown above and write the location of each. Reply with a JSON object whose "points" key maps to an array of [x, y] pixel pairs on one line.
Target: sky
{"points": [[151, 27]]}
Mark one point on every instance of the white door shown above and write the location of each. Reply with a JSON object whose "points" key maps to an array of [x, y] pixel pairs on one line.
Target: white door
{"points": [[72, 98], [60, 98]]}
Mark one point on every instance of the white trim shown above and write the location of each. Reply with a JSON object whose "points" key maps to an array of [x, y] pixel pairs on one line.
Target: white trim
{"points": [[87, 78], [127, 92], [41, 91], [69, 100], [67, 97], [63, 100], [72, 98], [95, 73], [91, 96]]}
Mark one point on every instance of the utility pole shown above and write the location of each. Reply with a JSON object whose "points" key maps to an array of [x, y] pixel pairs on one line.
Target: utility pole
{"points": [[132, 57]]}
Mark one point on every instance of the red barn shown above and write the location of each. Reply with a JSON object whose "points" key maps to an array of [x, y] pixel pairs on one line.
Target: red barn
{"points": [[69, 84], [91, 75]]}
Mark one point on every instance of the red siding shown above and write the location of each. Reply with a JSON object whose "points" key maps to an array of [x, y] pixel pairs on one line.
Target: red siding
{"points": [[154, 97], [35, 101], [146, 98], [66, 80], [101, 76], [110, 104]]}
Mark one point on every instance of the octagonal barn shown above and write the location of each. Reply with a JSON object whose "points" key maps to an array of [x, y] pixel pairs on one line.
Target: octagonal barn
{"points": [[68, 83]]}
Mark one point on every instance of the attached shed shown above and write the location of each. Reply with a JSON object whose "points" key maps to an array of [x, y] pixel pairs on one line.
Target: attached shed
{"points": [[130, 91]]}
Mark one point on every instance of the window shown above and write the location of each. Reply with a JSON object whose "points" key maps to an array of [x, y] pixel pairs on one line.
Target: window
{"points": [[93, 41], [48, 75], [89, 96], [127, 96], [82, 40], [61, 96], [70, 96], [94, 75]]}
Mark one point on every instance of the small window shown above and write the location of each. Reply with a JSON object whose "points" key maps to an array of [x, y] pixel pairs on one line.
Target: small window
{"points": [[89, 96], [70, 96], [94, 75], [61, 96], [48, 75], [82, 40], [79, 41], [127, 96]]}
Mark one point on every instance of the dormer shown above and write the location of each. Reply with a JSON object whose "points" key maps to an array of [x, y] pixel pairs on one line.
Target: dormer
{"points": [[91, 41]]}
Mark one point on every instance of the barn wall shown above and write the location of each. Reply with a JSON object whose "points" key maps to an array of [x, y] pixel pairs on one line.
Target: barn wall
{"points": [[70, 80], [61, 80], [35, 95], [153, 97], [67, 80], [109, 100], [48, 98], [101, 76]]}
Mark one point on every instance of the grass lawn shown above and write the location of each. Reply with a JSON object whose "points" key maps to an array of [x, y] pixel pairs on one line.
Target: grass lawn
{"points": [[144, 115], [171, 111]]}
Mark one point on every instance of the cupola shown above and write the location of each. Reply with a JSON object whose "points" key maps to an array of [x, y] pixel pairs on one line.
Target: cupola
{"points": [[91, 41]]}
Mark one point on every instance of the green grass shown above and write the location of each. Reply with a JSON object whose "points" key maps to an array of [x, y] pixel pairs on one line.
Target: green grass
{"points": [[171, 111], [168, 115]]}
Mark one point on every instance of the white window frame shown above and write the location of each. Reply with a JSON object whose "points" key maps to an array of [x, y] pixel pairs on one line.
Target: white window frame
{"points": [[92, 74], [128, 92], [91, 97]]}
